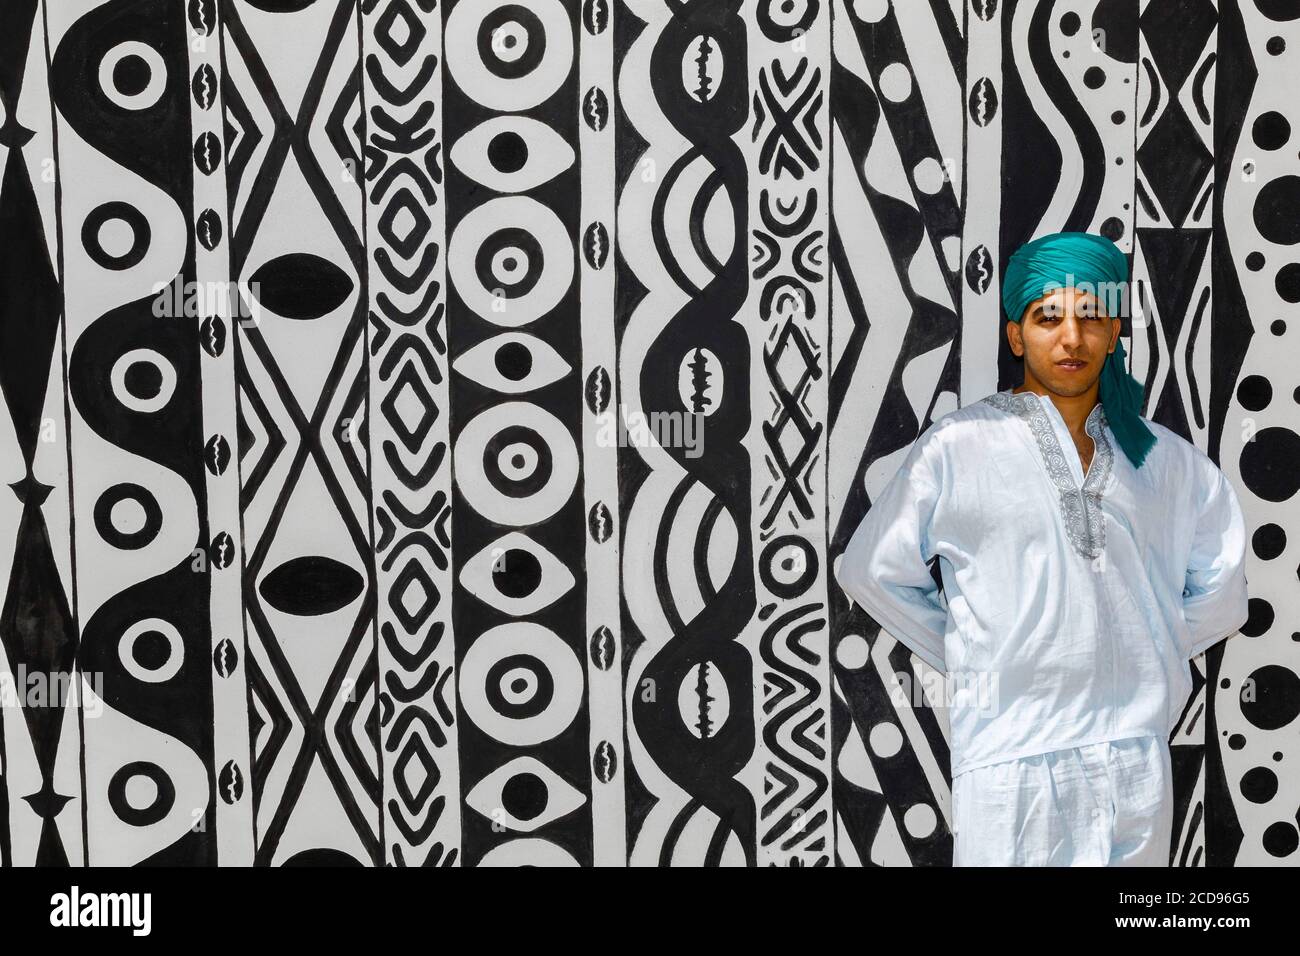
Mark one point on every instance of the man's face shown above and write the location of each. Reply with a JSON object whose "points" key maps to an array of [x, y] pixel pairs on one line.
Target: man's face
{"points": [[1064, 338]]}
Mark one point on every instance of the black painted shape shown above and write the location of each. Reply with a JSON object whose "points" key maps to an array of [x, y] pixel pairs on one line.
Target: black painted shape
{"points": [[1277, 210], [40, 638], [16, 19], [153, 141], [1175, 162], [159, 807], [1232, 327], [322, 857], [1115, 18], [1176, 34], [706, 767], [1174, 258], [168, 436], [311, 585], [300, 286], [29, 305]]}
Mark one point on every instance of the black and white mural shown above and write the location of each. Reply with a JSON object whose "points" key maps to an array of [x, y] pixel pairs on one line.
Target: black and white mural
{"points": [[430, 426]]}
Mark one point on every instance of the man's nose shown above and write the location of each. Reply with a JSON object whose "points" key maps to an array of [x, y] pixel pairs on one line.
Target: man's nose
{"points": [[1071, 332]]}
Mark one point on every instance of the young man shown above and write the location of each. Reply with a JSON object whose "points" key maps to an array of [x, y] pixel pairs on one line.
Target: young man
{"points": [[1079, 579]]}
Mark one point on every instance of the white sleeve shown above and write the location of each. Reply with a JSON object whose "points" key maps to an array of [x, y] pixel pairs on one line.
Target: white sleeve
{"points": [[1215, 603], [884, 568]]}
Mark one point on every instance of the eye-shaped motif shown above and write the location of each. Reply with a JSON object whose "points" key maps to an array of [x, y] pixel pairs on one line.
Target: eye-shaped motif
{"points": [[300, 285], [230, 782], [513, 362], [203, 16], [598, 390], [516, 575], [699, 381], [225, 658], [512, 154], [204, 86], [979, 269], [208, 229], [212, 336], [207, 153], [524, 795], [983, 102], [595, 16], [703, 701], [702, 68], [595, 108], [603, 647], [310, 585]]}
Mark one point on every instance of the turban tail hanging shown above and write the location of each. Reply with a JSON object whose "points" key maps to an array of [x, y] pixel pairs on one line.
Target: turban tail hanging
{"points": [[1093, 263]]}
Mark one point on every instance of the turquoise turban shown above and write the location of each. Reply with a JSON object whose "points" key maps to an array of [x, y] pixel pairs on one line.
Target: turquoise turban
{"points": [[1092, 263]]}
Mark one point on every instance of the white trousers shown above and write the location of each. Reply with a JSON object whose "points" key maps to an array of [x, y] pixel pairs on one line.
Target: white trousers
{"points": [[1106, 804]]}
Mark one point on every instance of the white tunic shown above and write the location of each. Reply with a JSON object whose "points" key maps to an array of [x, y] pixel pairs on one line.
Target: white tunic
{"points": [[1071, 605]]}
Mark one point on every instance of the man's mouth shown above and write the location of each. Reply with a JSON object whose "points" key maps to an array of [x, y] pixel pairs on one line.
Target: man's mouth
{"points": [[1071, 365]]}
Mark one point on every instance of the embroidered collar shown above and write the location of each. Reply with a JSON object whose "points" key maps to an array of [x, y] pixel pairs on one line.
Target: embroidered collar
{"points": [[1080, 507]]}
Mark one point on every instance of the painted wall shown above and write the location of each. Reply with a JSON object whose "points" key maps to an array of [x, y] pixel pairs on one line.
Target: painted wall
{"points": [[316, 317]]}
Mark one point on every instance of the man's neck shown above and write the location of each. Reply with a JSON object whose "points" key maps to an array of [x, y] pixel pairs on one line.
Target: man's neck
{"points": [[1074, 409]]}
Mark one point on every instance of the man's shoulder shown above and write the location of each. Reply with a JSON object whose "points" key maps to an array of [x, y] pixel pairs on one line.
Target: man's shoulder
{"points": [[1176, 452], [966, 423]]}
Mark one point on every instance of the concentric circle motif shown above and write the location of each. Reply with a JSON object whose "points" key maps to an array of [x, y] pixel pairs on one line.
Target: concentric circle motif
{"points": [[143, 380], [516, 464], [127, 516], [133, 75], [521, 684], [101, 229], [151, 650], [788, 566], [141, 793], [511, 260], [511, 56]]}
